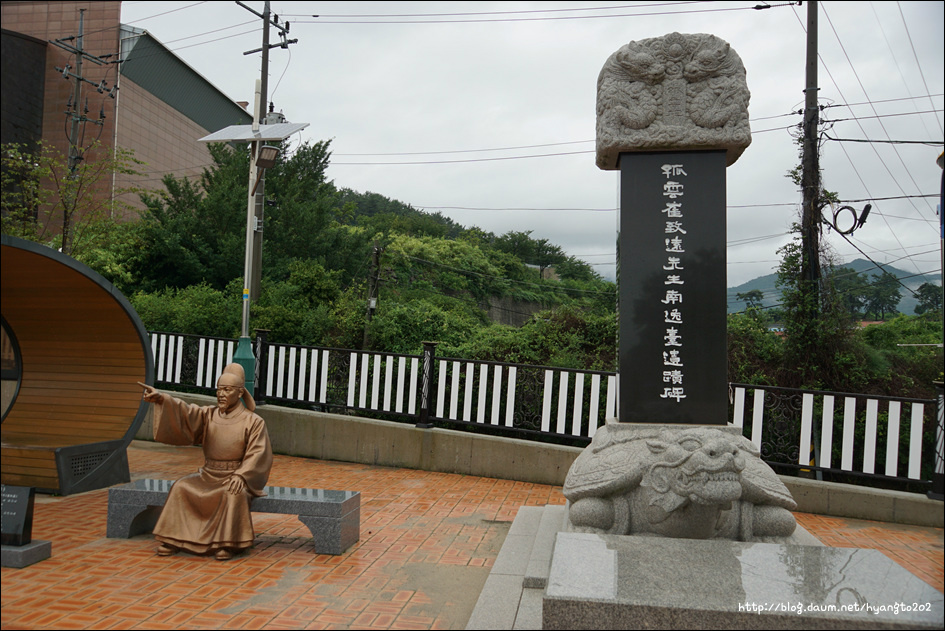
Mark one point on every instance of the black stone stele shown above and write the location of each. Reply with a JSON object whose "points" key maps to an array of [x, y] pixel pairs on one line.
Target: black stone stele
{"points": [[17, 521], [672, 356]]}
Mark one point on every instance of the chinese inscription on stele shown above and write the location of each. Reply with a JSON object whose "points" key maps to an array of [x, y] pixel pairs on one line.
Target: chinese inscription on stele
{"points": [[672, 314], [673, 377]]}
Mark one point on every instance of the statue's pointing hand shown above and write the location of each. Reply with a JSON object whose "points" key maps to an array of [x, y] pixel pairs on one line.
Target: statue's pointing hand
{"points": [[151, 394]]}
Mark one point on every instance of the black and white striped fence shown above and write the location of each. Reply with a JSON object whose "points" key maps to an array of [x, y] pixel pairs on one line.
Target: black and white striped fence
{"points": [[827, 431]]}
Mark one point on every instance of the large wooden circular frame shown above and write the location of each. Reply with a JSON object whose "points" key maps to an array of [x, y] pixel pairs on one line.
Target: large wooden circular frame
{"points": [[81, 349]]}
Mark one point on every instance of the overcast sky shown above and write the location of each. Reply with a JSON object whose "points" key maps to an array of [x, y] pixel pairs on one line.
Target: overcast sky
{"points": [[485, 111]]}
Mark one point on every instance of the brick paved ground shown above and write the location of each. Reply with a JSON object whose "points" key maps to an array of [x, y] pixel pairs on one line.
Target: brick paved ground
{"points": [[427, 543]]}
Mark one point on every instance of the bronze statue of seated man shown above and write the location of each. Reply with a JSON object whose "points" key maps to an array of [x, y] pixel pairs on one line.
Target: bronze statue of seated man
{"points": [[208, 512]]}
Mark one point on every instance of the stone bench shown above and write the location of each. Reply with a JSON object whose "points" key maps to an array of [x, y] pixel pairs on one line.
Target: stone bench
{"points": [[333, 517]]}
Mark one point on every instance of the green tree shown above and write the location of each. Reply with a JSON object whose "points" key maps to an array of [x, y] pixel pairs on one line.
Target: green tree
{"points": [[820, 349], [297, 310], [194, 232], [546, 255], [300, 200], [752, 299], [930, 298], [883, 295], [571, 268], [755, 354], [197, 310], [71, 210], [852, 289], [518, 244]]}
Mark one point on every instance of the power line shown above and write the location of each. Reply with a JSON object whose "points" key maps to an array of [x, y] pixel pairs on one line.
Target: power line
{"points": [[916, 57], [218, 30], [553, 144], [892, 54], [897, 100], [882, 126], [501, 158], [469, 13], [358, 19], [930, 143], [157, 15], [879, 116], [879, 265], [879, 199], [420, 153], [843, 148]]}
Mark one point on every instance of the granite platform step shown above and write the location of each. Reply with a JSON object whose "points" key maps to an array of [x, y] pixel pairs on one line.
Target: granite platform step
{"points": [[512, 595]]}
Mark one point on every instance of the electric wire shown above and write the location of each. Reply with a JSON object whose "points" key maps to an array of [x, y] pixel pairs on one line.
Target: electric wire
{"points": [[916, 57], [892, 54], [930, 143], [360, 20], [469, 13], [468, 150], [873, 107], [843, 148]]}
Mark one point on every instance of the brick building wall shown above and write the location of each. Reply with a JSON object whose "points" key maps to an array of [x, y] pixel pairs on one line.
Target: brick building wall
{"points": [[161, 135], [59, 20]]}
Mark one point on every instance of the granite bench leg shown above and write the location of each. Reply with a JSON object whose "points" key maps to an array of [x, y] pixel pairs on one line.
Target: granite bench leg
{"points": [[129, 520], [333, 535]]}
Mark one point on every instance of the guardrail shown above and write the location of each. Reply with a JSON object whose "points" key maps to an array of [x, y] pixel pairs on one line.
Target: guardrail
{"points": [[832, 435], [840, 433]]}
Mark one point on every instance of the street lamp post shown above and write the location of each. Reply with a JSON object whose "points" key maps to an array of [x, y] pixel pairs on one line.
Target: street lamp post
{"points": [[244, 350], [262, 157]]}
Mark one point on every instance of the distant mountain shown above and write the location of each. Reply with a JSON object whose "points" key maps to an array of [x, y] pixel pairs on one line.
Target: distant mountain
{"points": [[772, 295]]}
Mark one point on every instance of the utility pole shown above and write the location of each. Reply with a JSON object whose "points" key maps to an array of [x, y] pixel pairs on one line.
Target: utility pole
{"points": [[259, 212], [810, 182], [373, 278], [810, 173], [77, 115], [76, 99]]}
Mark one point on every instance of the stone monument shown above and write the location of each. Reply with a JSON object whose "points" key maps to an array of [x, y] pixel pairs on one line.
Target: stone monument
{"points": [[19, 547], [709, 521], [673, 93], [672, 114]]}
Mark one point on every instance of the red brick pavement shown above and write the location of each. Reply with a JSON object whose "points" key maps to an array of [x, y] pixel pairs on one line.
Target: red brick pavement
{"points": [[428, 541]]}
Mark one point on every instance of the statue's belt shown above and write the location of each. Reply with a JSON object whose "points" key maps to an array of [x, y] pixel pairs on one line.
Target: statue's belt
{"points": [[223, 465]]}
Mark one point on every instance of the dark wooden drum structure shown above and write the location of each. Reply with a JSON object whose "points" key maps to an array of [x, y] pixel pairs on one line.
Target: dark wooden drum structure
{"points": [[73, 350]]}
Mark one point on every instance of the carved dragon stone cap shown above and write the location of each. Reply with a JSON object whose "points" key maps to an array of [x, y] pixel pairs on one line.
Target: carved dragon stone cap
{"points": [[672, 93]]}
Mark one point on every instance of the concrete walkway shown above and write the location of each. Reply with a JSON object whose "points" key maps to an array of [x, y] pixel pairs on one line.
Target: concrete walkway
{"points": [[428, 543]]}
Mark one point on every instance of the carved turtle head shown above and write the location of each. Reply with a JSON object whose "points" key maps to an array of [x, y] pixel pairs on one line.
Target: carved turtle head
{"points": [[699, 465]]}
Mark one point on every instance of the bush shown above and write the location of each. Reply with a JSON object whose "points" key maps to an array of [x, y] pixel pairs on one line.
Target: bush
{"points": [[196, 310], [402, 328], [755, 354]]}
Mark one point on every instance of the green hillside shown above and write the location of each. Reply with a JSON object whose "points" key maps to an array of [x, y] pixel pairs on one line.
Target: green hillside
{"points": [[771, 295]]}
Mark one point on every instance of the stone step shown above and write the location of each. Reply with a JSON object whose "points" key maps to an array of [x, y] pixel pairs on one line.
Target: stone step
{"points": [[553, 520], [512, 595]]}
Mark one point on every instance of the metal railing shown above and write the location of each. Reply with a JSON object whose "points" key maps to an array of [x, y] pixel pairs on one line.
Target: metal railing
{"points": [[841, 436]]}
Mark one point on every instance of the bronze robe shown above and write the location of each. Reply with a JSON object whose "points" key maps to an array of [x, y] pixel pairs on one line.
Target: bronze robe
{"points": [[200, 515]]}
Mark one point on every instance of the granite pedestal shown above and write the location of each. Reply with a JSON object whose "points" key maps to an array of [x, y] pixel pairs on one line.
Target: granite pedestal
{"points": [[633, 582], [25, 555]]}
